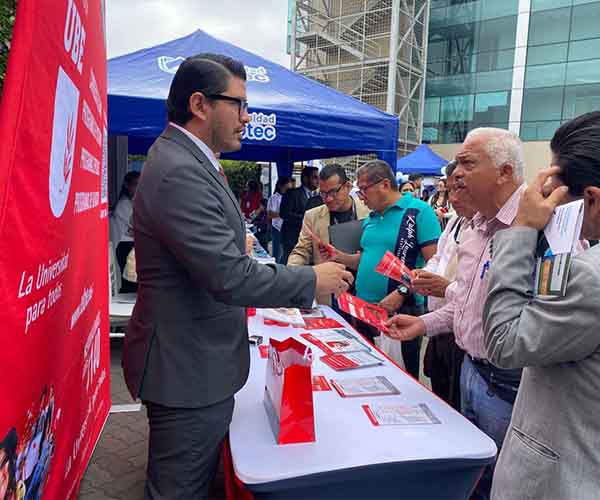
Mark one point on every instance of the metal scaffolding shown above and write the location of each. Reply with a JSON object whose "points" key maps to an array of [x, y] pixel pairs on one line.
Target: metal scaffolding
{"points": [[374, 50]]}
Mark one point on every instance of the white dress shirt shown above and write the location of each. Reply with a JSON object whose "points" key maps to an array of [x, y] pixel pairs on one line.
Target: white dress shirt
{"points": [[203, 147]]}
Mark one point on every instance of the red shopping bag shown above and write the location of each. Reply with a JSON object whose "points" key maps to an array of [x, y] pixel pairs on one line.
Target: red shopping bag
{"points": [[288, 392]]}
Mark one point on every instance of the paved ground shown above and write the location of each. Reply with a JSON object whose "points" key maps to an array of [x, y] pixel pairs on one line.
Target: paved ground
{"points": [[117, 468]]}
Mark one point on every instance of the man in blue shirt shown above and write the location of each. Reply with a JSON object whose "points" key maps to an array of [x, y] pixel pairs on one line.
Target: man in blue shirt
{"points": [[403, 225]]}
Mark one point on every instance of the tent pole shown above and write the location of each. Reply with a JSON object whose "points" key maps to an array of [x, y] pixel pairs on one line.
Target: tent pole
{"points": [[393, 62]]}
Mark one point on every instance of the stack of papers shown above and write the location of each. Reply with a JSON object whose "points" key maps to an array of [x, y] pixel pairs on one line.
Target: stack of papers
{"points": [[287, 315], [335, 341], [390, 414], [351, 360], [367, 386]]}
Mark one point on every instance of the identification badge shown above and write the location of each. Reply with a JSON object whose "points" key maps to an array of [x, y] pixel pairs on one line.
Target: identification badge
{"points": [[551, 274]]}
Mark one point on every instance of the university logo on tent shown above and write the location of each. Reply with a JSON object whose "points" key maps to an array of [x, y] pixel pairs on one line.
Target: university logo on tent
{"points": [[170, 64], [258, 74], [262, 127], [64, 131], [253, 74]]}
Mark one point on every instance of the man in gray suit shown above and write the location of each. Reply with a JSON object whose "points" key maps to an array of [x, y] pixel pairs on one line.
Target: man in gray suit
{"points": [[186, 349], [552, 447]]}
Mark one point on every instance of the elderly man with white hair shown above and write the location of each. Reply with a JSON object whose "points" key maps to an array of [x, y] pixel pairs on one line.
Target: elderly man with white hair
{"points": [[490, 170]]}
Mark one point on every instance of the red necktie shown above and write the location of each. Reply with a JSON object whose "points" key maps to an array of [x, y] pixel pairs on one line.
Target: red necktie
{"points": [[222, 174]]}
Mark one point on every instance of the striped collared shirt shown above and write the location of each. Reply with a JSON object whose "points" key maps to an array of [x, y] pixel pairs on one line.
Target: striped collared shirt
{"points": [[463, 314]]}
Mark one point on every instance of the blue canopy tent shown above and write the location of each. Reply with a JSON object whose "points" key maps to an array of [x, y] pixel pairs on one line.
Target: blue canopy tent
{"points": [[293, 117], [421, 161]]}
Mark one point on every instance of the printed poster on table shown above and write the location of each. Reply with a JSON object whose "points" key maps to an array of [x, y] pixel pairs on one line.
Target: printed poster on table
{"points": [[54, 389]]}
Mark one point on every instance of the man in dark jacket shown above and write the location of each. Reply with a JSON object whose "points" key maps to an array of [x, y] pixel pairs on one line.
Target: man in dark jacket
{"points": [[293, 206]]}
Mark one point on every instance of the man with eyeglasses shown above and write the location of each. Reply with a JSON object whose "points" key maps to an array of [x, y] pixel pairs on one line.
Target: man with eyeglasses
{"points": [[186, 349], [403, 225], [339, 207]]}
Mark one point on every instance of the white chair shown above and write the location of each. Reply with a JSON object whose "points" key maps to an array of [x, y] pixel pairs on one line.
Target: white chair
{"points": [[120, 304]]}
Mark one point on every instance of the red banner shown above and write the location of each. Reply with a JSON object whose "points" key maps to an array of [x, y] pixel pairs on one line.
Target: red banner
{"points": [[54, 383]]}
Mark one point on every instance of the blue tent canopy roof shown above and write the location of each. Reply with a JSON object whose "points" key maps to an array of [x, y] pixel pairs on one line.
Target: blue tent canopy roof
{"points": [[421, 161], [293, 117]]}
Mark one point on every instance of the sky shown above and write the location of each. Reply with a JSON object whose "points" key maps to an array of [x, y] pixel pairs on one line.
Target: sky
{"points": [[259, 26]]}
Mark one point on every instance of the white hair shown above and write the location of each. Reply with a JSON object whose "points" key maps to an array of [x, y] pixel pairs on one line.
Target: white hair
{"points": [[503, 147]]}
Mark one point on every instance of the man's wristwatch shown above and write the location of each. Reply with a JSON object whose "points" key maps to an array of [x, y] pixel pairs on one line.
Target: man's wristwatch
{"points": [[403, 290]]}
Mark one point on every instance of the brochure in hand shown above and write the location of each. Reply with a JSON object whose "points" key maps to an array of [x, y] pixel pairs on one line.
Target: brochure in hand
{"points": [[562, 234], [351, 360], [371, 314], [393, 414], [361, 387], [392, 267], [326, 247]]}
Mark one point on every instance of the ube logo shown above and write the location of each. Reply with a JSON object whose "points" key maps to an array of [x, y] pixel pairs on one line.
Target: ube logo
{"points": [[62, 152], [261, 127]]}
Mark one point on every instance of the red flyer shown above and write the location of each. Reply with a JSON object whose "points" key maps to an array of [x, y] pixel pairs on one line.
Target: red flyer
{"points": [[351, 360], [320, 383], [272, 322], [371, 314], [335, 342], [392, 267], [329, 249], [321, 323]]}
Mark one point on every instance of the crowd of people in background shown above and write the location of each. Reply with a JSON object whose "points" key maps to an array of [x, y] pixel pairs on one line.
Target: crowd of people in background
{"points": [[522, 366], [472, 294]]}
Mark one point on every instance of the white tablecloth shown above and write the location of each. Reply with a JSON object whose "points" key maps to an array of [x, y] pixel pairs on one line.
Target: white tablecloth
{"points": [[345, 436]]}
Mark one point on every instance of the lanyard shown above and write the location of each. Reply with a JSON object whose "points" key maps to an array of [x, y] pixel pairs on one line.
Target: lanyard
{"points": [[334, 219]]}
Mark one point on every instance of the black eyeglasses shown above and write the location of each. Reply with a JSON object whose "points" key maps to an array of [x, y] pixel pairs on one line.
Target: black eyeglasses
{"points": [[242, 103], [331, 193], [362, 192]]}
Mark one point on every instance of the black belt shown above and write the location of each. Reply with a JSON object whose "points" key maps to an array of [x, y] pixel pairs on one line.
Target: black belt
{"points": [[501, 382]]}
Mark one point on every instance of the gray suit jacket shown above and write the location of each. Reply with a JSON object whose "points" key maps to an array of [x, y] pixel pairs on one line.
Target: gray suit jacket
{"points": [[552, 447], [187, 341]]}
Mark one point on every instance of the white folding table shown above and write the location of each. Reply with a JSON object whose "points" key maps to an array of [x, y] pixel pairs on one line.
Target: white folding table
{"points": [[352, 458]]}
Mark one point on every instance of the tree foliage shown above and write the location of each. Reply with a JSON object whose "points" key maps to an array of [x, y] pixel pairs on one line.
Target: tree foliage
{"points": [[239, 173], [7, 21]]}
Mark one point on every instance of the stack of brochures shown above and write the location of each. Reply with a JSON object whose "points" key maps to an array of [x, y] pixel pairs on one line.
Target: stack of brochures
{"points": [[286, 315], [363, 387]]}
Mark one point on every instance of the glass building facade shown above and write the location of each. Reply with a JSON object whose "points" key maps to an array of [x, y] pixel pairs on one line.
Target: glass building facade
{"points": [[527, 65]]}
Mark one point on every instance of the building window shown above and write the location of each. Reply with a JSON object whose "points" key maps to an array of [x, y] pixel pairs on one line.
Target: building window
{"points": [[548, 75], [457, 108], [543, 104], [492, 108], [549, 4], [549, 26], [497, 34], [582, 72], [538, 131], [584, 49], [547, 54], [581, 99], [586, 20]]}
